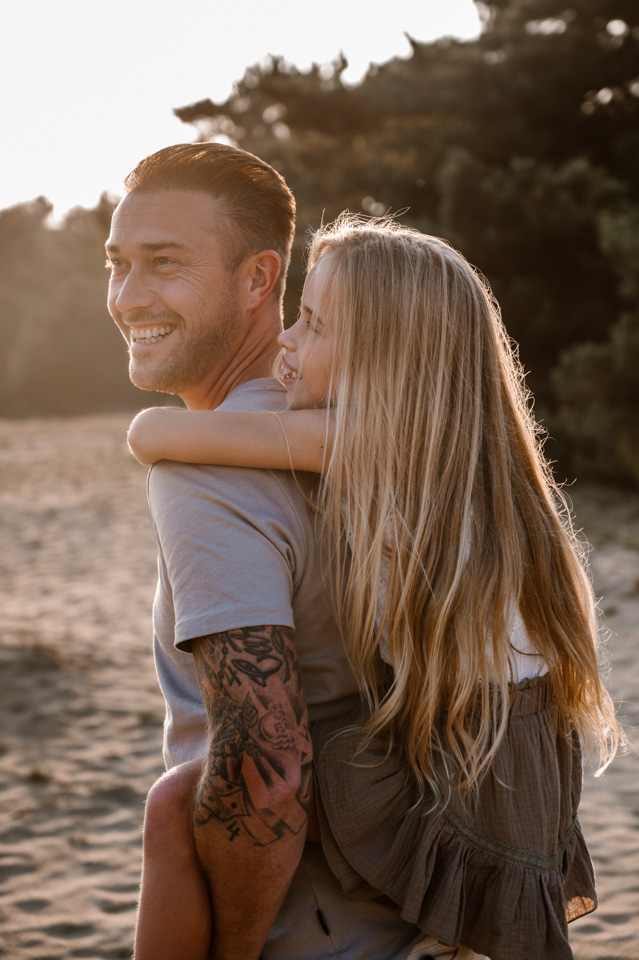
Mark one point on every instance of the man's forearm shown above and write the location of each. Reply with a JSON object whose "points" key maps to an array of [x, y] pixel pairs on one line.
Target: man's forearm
{"points": [[250, 814], [248, 885]]}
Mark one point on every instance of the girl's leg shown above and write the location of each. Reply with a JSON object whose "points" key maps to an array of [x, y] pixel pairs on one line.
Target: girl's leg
{"points": [[174, 914]]}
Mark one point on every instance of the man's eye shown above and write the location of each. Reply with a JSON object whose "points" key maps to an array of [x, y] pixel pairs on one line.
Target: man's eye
{"points": [[113, 263], [163, 261]]}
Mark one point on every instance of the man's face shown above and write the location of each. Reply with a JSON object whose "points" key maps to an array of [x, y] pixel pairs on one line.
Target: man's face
{"points": [[170, 293]]}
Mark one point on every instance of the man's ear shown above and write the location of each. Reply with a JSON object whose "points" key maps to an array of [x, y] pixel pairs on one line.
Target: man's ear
{"points": [[260, 273]]}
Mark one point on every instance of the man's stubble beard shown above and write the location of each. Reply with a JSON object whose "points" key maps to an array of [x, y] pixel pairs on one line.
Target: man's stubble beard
{"points": [[198, 352]]}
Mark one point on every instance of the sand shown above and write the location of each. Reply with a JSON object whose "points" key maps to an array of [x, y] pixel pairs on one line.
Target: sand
{"points": [[81, 715]]}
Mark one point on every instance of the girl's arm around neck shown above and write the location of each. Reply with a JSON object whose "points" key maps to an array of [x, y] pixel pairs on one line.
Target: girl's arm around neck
{"points": [[290, 439]]}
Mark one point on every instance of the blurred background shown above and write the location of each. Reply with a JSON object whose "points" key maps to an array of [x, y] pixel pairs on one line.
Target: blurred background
{"points": [[511, 128]]}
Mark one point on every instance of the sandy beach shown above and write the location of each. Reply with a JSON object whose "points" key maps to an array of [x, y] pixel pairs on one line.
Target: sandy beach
{"points": [[81, 715]]}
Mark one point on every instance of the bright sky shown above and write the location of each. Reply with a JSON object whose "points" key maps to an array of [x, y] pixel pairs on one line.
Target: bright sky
{"points": [[89, 88]]}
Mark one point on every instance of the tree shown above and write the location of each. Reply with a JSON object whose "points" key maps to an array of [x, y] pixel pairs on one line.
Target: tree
{"points": [[516, 147], [520, 147], [597, 385]]}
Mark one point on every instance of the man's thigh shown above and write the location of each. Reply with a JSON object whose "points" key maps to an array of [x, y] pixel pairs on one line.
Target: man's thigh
{"points": [[318, 922]]}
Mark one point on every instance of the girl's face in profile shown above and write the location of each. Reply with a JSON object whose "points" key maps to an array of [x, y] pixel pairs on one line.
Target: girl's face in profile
{"points": [[309, 350]]}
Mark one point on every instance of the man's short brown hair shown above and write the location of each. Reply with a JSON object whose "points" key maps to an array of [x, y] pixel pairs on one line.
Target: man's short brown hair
{"points": [[257, 207]]}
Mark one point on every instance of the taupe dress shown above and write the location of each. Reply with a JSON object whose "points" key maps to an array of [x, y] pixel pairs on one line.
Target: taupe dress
{"points": [[502, 875]]}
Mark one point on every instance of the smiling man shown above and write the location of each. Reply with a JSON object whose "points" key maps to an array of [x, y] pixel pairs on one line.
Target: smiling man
{"points": [[194, 292], [247, 651], [198, 250]]}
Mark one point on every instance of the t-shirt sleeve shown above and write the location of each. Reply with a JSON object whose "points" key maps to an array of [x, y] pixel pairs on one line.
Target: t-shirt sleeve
{"points": [[231, 543]]}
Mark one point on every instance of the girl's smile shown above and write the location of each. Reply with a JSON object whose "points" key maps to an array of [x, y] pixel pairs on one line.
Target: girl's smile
{"points": [[288, 373]]}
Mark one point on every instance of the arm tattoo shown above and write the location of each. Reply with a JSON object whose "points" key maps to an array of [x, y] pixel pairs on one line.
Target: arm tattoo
{"points": [[252, 690]]}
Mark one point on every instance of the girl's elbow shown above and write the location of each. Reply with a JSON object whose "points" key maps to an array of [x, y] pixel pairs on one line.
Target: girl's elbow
{"points": [[154, 433], [140, 443], [141, 455]]}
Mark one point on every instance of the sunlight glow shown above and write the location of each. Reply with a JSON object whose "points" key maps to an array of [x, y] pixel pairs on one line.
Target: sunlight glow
{"points": [[86, 99]]}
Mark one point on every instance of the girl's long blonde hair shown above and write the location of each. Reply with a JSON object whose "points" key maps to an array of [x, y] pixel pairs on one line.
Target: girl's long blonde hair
{"points": [[452, 516]]}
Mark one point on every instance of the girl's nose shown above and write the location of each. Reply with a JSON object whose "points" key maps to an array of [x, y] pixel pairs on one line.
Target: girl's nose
{"points": [[286, 338]]}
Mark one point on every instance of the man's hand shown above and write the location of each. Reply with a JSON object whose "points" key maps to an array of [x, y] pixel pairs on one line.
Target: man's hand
{"points": [[250, 814]]}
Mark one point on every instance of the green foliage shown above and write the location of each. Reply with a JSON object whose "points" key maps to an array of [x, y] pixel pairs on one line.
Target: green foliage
{"points": [[533, 229], [598, 391], [597, 385]]}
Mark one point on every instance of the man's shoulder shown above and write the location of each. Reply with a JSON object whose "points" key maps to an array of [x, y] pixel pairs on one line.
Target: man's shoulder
{"points": [[180, 487], [235, 511], [184, 492], [277, 496], [181, 481], [262, 394]]}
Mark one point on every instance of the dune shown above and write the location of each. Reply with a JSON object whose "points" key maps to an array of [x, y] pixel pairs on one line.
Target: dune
{"points": [[81, 715]]}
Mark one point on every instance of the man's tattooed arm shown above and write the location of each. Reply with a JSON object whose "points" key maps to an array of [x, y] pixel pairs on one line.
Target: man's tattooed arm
{"points": [[250, 813], [257, 779]]}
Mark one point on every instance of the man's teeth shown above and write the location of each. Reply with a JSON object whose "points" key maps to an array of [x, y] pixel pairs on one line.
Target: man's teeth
{"points": [[150, 335]]}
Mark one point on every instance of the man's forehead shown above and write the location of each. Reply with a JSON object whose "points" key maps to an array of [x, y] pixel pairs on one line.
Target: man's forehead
{"points": [[164, 218]]}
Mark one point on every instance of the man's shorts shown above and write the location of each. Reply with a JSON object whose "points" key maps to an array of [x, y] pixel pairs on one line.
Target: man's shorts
{"points": [[318, 922]]}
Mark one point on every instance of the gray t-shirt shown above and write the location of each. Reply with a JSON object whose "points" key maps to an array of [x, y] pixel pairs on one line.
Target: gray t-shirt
{"points": [[238, 548]]}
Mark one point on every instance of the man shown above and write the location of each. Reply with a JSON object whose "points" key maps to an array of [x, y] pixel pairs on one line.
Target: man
{"points": [[198, 252]]}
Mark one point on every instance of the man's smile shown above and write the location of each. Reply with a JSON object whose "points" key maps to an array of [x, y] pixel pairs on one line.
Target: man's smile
{"points": [[150, 334]]}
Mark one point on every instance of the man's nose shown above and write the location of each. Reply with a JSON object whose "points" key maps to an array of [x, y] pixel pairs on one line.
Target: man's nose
{"points": [[132, 293]]}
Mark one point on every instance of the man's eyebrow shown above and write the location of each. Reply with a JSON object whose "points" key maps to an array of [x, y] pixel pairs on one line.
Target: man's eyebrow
{"points": [[162, 245]]}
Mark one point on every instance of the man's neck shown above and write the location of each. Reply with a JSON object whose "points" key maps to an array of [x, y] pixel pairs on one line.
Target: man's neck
{"points": [[252, 360], [209, 398]]}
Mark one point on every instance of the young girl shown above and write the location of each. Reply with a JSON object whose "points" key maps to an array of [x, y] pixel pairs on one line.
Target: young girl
{"points": [[466, 612]]}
